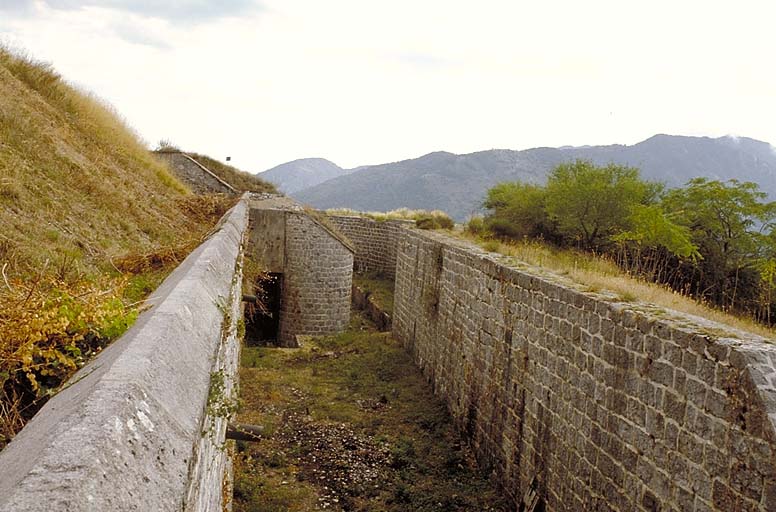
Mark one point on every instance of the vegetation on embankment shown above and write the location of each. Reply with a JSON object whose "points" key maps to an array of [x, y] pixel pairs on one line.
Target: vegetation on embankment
{"points": [[424, 219], [90, 223], [707, 245], [350, 424]]}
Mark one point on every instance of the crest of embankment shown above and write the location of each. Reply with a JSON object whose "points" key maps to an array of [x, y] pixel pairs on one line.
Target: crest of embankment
{"points": [[589, 403]]}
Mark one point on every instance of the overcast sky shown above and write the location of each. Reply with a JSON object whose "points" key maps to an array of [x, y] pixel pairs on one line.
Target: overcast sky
{"points": [[360, 82]]}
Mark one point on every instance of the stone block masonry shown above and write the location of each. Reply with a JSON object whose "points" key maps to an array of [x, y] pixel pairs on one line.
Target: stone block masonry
{"points": [[375, 242], [200, 179], [317, 280], [592, 403]]}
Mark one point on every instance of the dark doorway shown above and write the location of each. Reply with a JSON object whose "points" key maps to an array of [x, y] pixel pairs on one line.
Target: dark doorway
{"points": [[262, 314]]}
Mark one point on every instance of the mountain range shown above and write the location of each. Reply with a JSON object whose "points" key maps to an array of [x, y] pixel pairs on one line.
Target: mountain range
{"points": [[304, 173], [457, 184]]}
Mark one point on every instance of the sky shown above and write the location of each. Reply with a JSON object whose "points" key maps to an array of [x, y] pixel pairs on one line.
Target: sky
{"points": [[365, 82]]}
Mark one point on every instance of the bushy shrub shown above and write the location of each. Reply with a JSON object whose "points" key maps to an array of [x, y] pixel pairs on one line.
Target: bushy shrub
{"points": [[475, 225]]}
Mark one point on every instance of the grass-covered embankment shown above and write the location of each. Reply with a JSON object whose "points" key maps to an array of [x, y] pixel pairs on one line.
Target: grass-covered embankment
{"points": [[90, 223]]}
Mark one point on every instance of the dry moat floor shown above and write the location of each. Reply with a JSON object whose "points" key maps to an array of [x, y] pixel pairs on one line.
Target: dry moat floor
{"points": [[350, 424]]}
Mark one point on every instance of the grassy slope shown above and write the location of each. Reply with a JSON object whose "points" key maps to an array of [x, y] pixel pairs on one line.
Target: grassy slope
{"points": [[378, 287], [75, 183], [80, 198]]}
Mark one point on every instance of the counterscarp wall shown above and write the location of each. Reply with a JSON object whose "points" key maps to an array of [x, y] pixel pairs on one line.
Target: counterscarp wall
{"points": [[142, 427], [593, 404], [375, 242]]}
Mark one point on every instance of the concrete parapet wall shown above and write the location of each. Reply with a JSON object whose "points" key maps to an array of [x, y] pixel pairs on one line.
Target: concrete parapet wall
{"points": [[594, 404], [137, 428], [374, 241]]}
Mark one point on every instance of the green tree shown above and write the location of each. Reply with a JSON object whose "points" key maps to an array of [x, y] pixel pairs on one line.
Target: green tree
{"points": [[518, 210], [591, 204], [651, 240], [726, 220]]}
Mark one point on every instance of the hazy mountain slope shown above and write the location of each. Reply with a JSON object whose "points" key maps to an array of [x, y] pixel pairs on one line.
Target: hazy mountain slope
{"points": [[458, 183], [301, 174]]}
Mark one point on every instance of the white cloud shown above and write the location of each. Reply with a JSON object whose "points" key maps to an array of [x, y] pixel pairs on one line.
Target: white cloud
{"points": [[178, 10], [365, 82]]}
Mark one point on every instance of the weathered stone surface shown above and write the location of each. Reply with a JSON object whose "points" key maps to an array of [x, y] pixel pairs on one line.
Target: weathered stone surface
{"points": [[375, 242], [131, 430], [608, 405], [267, 238], [363, 300], [199, 178], [317, 280]]}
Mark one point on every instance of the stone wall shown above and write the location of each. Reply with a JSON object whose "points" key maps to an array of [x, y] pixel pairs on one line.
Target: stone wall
{"points": [[199, 178], [317, 280], [375, 242], [592, 403], [363, 301], [133, 429]]}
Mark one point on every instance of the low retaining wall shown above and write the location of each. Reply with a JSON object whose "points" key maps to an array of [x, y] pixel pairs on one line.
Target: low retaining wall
{"points": [[142, 426], [363, 301], [375, 242], [592, 404]]}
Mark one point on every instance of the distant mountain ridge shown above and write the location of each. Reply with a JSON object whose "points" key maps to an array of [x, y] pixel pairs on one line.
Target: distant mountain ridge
{"points": [[458, 183], [304, 173]]}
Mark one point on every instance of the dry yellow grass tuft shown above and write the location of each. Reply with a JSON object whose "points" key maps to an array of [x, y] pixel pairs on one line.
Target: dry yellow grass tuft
{"points": [[599, 274]]}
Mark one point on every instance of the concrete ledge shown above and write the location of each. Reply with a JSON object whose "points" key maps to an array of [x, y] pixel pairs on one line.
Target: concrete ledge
{"points": [[131, 431]]}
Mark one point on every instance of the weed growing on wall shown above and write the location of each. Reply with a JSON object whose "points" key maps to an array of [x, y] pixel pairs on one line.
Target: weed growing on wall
{"points": [[219, 403]]}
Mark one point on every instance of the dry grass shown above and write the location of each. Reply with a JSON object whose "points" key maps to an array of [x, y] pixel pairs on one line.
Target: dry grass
{"points": [[379, 287], [599, 274], [77, 184], [78, 192]]}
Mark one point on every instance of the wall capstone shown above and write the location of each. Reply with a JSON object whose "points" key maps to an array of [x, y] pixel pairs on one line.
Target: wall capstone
{"points": [[199, 178]]}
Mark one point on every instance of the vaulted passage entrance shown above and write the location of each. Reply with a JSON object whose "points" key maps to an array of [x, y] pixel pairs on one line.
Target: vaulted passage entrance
{"points": [[262, 313]]}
